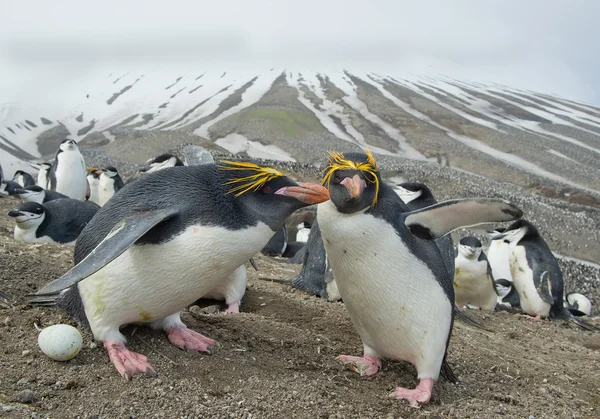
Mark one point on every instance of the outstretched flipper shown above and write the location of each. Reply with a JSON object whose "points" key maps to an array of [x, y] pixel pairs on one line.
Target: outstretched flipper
{"points": [[440, 219], [117, 241], [462, 316]]}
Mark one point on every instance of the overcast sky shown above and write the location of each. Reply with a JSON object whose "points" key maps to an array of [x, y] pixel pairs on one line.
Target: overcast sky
{"points": [[550, 46]]}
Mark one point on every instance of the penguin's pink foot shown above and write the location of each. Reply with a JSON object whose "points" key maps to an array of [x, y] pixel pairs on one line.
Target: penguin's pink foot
{"points": [[126, 362], [420, 394], [185, 338], [366, 365], [527, 316], [233, 308]]}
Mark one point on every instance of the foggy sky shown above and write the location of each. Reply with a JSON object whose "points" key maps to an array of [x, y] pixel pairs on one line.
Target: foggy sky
{"points": [[549, 46]]}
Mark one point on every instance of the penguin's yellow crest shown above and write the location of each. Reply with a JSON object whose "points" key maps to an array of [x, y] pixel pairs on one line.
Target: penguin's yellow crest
{"points": [[337, 161], [253, 182]]}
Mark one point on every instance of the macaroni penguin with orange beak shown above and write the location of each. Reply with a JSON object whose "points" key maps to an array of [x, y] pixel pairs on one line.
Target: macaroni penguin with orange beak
{"points": [[167, 240], [390, 272]]}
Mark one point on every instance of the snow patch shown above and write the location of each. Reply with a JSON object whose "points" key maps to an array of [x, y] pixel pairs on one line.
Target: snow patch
{"points": [[236, 143]]}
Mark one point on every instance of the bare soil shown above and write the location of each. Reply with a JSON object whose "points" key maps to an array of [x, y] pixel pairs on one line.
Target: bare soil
{"points": [[277, 359]]}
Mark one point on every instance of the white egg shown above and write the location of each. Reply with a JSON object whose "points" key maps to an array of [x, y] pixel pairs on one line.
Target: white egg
{"points": [[60, 342]]}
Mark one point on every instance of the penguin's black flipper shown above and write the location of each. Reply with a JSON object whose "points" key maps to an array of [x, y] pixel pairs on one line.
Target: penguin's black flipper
{"points": [[544, 288], [583, 324], [117, 241], [462, 316], [440, 219], [253, 263]]}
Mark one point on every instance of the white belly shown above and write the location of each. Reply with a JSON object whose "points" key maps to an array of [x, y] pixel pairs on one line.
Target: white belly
{"points": [[106, 189], [71, 175], [395, 303], [531, 303], [472, 285], [93, 182], [498, 255], [232, 289], [151, 282], [42, 179]]}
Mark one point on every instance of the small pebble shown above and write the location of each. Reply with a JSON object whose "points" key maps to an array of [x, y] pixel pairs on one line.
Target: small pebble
{"points": [[25, 352], [25, 396], [22, 381]]}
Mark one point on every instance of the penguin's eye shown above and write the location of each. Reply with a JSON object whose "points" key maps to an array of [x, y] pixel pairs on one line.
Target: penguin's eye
{"points": [[337, 177], [267, 189]]}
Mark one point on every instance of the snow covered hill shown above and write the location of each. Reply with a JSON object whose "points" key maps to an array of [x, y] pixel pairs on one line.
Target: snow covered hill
{"points": [[487, 129]]}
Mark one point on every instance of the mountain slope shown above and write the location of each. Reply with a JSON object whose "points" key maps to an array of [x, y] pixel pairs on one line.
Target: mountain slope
{"points": [[522, 137]]}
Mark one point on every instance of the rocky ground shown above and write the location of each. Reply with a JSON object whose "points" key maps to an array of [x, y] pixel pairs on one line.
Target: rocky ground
{"points": [[277, 359]]}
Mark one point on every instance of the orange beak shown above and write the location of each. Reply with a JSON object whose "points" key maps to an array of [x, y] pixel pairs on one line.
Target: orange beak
{"points": [[355, 186], [309, 193]]}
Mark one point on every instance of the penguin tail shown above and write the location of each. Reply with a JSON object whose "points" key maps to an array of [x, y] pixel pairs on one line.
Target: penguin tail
{"points": [[583, 324], [462, 316], [565, 314], [447, 373]]}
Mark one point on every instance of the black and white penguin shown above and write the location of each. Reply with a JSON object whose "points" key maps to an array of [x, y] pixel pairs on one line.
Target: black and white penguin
{"points": [[303, 230], [537, 275], [316, 276], [110, 183], [38, 194], [93, 179], [9, 187], [166, 240], [417, 195], [578, 304], [23, 178], [277, 244], [388, 268], [60, 221], [473, 280], [161, 162], [508, 296], [498, 255], [232, 290], [44, 174], [68, 173]]}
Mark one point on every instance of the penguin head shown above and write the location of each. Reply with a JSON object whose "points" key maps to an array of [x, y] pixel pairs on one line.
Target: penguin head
{"points": [[267, 192], [353, 181], [409, 191], [32, 193], [518, 230], [28, 215], [503, 286], [470, 247], [68, 145], [578, 304], [109, 171], [161, 162], [94, 172], [495, 232]]}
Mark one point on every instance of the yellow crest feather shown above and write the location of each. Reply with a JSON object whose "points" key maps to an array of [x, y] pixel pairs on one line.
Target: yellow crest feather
{"points": [[337, 161], [254, 182]]}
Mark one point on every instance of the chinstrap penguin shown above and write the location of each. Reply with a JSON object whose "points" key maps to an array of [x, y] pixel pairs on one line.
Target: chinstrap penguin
{"points": [[537, 275], [508, 296], [473, 280], [10, 187], [68, 173], [578, 304], [388, 268], [110, 183], [44, 174], [166, 240], [38, 194], [161, 162], [23, 178], [60, 221], [93, 179]]}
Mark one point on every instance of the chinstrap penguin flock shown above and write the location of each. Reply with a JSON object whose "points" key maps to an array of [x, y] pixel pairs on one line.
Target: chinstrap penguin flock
{"points": [[385, 251]]}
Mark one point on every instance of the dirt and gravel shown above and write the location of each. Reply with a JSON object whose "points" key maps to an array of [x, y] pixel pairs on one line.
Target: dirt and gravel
{"points": [[277, 359]]}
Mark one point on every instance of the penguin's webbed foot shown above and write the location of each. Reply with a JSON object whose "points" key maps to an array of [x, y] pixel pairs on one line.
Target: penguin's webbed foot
{"points": [[233, 308], [126, 362], [420, 394], [527, 316], [185, 338], [366, 365]]}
